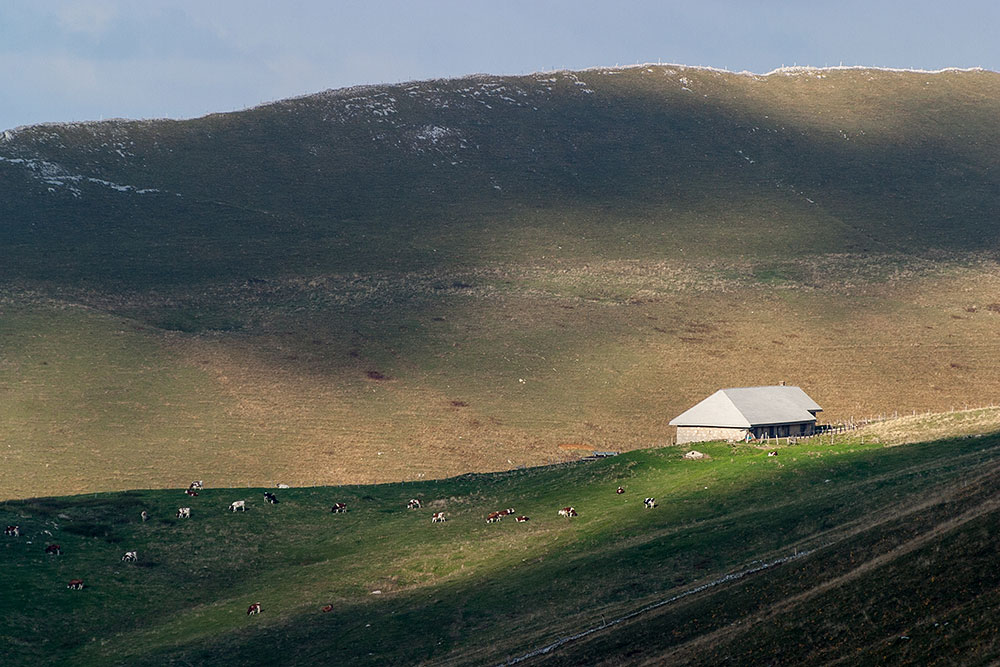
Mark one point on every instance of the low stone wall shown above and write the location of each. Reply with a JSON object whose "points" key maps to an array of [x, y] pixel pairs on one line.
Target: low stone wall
{"points": [[705, 433]]}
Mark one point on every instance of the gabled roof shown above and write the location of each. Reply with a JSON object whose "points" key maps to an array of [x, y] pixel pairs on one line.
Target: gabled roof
{"points": [[744, 407]]}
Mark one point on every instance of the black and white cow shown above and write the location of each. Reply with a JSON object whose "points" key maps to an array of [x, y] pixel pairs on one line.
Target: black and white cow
{"points": [[191, 492], [414, 504], [253, 609], [240, 505], [197, 485], [649, 503], [338, 508], [13, 531], [438, 517], [130, 557], [75, 584], [183, 512], [271, 498]]}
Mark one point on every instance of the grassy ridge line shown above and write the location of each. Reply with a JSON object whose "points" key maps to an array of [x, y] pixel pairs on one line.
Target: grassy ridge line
{"points": [[284, 560]]}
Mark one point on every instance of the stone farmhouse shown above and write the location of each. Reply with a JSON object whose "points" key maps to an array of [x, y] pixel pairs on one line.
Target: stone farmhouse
{"points": [[746, 413]]}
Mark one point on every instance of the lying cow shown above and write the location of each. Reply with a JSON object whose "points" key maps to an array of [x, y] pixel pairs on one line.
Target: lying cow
{"points": [[521, 519], [53, 549], [494, 517], [240, 505], [282, 486], [253, 609], [414, 504], [567, 512], [183, 512], [338, 508], [650, 503], [13, 531], [191, 492], [75, 584], [620, 490], [271, 498], [506, 512], [438, 517], [773, 452], [327, 608], [197, 485], [130, 557]]}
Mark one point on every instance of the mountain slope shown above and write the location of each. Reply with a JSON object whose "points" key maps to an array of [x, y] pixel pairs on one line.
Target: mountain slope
{"points": [[391, 282]]}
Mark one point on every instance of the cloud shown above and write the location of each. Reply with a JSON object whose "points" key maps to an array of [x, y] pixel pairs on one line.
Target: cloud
{"points": [[93, 17]]}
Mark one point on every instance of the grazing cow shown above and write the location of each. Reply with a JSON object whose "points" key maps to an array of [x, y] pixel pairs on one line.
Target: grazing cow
{"points": [[567, 512], [13, 531], [253, 609], [438, 517], [270, 497], [414, 504], [650, 503], [773, 452], [521, 519], [197, 485], [130, 557], [326, 608], [338, 508], [620, 490], [75, 584], [144, 515], [53, 549], [183, 512], [240, 505], [494, 517], [282, 486], [191, 492]]}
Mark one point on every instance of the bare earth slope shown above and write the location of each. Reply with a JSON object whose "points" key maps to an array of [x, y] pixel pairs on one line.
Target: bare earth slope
{"points": [[407, 281]]}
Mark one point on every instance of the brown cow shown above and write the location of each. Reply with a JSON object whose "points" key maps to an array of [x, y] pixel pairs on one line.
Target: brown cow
{"points": [[326, 608], [253, 609], [53, 549]]}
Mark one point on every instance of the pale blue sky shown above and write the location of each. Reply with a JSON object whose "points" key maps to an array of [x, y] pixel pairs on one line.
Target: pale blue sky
{"points": [[63, 60]]}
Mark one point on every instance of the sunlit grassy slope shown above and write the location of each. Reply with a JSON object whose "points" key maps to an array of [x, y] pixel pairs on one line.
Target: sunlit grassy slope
{"points": [[890, 555], [403, 282]]}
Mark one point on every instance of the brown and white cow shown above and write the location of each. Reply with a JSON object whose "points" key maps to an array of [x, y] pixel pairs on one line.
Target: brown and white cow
{"points": [[338, 508], [438, 517], [240, 505], [521, 519], [191, 492], [568, 512], [145, 515], [183, 512], [326, 608], [13, 531], [130, 557], [506, 512], [649, 503], [253, 609], [620, 490], [53, 549], [414, 504], [773, 452], [494, 517], [75, 584]]}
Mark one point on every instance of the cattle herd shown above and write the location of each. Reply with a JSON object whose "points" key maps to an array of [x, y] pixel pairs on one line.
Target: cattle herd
{"points": [[338, 508]]}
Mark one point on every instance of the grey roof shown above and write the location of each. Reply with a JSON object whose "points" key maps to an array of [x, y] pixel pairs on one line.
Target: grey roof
{"points": [[743, 407]]}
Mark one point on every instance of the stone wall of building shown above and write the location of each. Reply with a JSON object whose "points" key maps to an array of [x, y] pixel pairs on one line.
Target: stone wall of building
{"points": [[705, 433]]}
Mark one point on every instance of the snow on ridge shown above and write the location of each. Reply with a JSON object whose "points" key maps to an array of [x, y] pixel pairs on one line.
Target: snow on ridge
{"points": [[796, 69], [56, 176]]}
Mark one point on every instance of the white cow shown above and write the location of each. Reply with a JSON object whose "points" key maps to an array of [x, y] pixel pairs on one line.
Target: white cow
{"points": [[240, 505], [183, 512], [283, 486]]}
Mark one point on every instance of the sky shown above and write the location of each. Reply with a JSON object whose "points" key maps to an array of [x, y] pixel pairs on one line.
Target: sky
{"points": [[69, 60]]}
